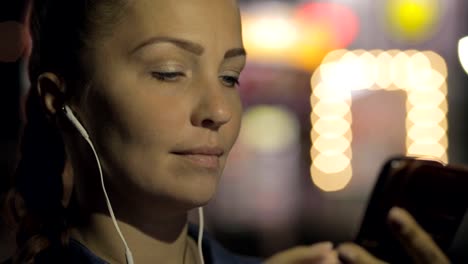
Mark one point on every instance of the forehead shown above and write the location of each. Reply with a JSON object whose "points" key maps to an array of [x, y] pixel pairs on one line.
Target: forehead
{"points": [[205, 21]]}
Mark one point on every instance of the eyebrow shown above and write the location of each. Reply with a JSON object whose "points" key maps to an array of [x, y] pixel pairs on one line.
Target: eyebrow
{"points": [[190, 46], [235, 52]]}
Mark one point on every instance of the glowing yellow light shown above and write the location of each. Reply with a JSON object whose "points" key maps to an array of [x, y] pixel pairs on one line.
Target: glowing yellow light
{"points": [[424, 132], [425, 115], [430, 84], [331, 161], [275, 34], [330, 182], [337, 126], [368, 64], [383, 76], [269, 38], [412, 19], [337, 109], [331, 93], [420, 74], [336, 143], [434, 98], [427, 148], [351, 69], [419, 61], [400, 75]]}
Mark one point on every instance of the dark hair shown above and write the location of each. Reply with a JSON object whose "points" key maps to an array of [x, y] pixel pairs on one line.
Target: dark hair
{"points": [[61, 31]]}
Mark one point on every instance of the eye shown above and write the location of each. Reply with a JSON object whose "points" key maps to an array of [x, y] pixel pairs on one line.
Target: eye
{"points": [[230, 81], [167, 76]]}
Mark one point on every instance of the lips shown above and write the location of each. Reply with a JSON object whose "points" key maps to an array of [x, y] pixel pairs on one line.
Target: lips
{"points": [[206, 151], [206, 157]]}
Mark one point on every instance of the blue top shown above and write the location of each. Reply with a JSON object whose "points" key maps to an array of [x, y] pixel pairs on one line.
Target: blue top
{"points": [[213, 252]]}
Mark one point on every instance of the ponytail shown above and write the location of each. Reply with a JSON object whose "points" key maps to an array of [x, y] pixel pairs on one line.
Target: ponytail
{"points": [[35, 202], [61, 30]]}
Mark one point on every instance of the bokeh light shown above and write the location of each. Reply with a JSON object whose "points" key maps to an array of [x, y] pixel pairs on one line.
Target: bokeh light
{"points": [[422, 75], [269, 31], [297, 35], [463, 53], [334, 17], [269, 128], [413, 20]]}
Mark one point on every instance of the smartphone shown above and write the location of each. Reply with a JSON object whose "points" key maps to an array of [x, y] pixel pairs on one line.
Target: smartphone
{"points": [[434, 193]]}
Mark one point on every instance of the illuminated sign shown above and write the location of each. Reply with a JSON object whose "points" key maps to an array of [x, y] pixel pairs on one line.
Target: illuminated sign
{"points": [[422, 75]]}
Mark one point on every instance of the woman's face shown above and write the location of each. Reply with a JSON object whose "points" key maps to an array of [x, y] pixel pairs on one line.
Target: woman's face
{"points": [[163, 109]]}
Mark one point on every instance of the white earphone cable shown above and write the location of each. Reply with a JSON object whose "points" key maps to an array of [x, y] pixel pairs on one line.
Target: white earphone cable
{"points": [[69, 114], [200, 234], [128, 253]]}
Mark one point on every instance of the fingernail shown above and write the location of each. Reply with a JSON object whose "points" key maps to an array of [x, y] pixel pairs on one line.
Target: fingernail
{"points": [[346, 255], [395, 218]]}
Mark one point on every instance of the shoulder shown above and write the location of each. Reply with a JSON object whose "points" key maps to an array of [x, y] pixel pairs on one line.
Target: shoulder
{"points": [[75, 253], [80, 254], [215, 253]]}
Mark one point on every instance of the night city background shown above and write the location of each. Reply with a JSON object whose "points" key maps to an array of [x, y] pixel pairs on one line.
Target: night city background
{"points": [[332, 89]]}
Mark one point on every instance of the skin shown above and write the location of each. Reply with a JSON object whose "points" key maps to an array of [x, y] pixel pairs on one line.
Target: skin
{"points": [[149, 98], [418, 244], [146, 101]]}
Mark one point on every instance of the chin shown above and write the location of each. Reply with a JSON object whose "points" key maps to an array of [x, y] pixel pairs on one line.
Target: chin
{"points": [[184, 188], [200, 195], [196, 194], [186, 194]]}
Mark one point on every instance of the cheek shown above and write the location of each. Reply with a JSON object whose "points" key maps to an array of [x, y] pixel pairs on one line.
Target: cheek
{"points": [[233, 127], [152, 121], [134, 132], [138, 119]]}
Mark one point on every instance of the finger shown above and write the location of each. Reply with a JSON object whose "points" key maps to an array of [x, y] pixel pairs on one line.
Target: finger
{"points": [[303, 254], [417, 242], [331, 258], [351, 253]]}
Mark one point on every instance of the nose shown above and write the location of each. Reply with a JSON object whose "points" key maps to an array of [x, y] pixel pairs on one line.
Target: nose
{"points": [[213, 109]]}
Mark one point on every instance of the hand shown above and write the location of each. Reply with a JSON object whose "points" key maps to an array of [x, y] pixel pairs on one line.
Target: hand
{"points": [[321, 253], [419, 244]]}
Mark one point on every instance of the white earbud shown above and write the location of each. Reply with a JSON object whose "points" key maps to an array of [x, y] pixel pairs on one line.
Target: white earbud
{"points": [[69, 114]]}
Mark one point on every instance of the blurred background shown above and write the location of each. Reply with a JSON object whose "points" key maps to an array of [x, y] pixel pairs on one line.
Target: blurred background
{"points": [[13, 47], [332, 89]]}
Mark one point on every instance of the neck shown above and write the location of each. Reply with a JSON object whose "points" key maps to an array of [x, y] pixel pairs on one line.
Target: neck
{"points": [[154, 228], [168, 244]]}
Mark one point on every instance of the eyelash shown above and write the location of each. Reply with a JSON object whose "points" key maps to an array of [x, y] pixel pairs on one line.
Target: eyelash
{"points": [[167, 76], [231, 80], [173, 76]]}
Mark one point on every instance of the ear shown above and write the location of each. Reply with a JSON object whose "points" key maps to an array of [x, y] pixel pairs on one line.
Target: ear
{"points": [[51, 90]]}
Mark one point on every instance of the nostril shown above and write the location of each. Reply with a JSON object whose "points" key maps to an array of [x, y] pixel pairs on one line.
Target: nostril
{"points": [[208, 123]]}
